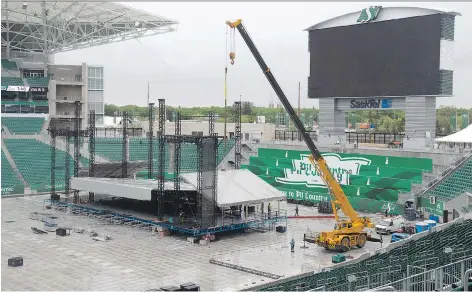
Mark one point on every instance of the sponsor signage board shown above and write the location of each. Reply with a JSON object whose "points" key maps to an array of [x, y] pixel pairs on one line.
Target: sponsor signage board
{"points": [[18, 88], [24, 89], [385, 103], [38, 89], [303, 171]]}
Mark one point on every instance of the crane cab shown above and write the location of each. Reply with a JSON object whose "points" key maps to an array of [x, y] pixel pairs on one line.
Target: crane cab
{"points": [[343, 226]]}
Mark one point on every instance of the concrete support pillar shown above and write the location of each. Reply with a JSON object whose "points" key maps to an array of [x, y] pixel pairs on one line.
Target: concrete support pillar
{"points": [[331, 123], [420, 122]]}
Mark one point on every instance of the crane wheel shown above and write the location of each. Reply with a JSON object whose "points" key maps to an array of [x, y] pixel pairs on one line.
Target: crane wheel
{"points": [[345, 243], [361, 240]]}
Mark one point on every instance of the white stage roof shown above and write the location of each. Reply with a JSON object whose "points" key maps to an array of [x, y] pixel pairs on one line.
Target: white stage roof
{"points": [[125, 188], [238, 187], [463, 136]]}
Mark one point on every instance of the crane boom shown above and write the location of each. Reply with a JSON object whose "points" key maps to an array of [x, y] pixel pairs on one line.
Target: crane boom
{"points": [[316, 158]]}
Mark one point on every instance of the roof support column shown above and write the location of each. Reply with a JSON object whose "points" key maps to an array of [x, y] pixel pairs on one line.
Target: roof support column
{"points": [[45, 38], [8, 29]]}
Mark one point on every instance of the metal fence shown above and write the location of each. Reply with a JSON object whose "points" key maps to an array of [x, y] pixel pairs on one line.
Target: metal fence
{"points": [[441, 278]]}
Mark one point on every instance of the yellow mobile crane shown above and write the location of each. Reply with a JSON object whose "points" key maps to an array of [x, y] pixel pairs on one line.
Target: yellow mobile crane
{"points": [[347, 233]]}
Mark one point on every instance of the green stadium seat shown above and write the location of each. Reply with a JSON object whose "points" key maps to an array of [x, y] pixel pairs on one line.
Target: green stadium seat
{"points": [[23, 125], [9, 178], [12, 81], [33, 159], [455, 184], [38, 81], [9, 65]]}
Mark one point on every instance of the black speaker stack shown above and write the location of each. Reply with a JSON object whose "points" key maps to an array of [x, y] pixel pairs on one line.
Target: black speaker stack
{"points": [[61, 232], [281, 229], [325, 208], [445, 216], [15, 262]]}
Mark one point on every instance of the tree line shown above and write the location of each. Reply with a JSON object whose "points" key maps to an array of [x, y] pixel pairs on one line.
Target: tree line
{"points": [[448, 119]]}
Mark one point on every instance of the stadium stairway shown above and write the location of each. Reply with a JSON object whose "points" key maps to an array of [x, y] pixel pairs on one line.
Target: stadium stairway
{"points": [[5, 131], [457, 174], [61, 145], [13, 165]]}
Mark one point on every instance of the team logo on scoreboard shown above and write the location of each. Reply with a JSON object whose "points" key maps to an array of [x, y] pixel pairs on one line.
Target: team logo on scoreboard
{"points": [[369, 14]]}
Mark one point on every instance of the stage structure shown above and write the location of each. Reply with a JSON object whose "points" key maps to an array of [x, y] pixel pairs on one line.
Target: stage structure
{"points": [[92, 132], [161, 157], [77, 133], [207, 153], [125, 154], [205, 200], [150, 140], [237, 133], [177, 152]]}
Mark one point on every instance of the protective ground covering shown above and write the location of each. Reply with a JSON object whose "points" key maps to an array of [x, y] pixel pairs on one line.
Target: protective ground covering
{"points": [[371, 182], [138, 260], [382, 268]]}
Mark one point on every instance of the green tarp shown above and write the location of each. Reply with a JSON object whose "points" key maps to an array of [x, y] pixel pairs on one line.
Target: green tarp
{"points": [[377, 160], [359, 204], [371, 182], [350, 191], [353, 180], [341, 166]]}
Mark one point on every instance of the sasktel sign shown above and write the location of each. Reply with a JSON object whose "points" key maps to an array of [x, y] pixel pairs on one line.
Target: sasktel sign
{"points": [[385, 103]]}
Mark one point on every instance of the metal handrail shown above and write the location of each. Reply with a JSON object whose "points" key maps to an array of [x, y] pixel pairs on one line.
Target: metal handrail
{"points": [[410, 279]]}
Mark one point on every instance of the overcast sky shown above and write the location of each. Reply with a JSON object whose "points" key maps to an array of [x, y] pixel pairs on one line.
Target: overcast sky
{"points": [[186, 67]]}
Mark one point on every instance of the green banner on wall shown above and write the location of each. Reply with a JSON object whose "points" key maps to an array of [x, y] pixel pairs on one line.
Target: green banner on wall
{"points": [[17, 189], [436, 209], [465, 120], [453, 122], [45, 188]]}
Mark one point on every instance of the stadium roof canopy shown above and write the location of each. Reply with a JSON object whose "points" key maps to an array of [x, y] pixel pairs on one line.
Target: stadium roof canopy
{"points": [[52, 27]]}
